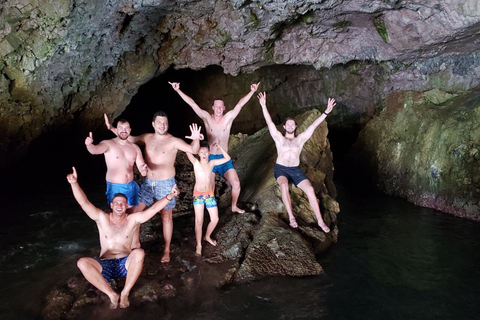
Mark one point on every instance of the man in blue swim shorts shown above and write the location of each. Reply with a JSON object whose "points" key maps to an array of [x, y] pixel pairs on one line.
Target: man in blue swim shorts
{"points": [[289, 146], [116, 232], [218, 126]]}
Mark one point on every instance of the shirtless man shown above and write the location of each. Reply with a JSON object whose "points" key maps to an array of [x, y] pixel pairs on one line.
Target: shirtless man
{"points": [[289, 146], [203, 193], [116, 230], [120, 156], [160, 153], [218, 127]]}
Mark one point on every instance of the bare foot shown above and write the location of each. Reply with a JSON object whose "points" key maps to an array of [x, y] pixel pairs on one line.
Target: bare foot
{"points": [[237, 210], [124, 303], [324, 227], [114, 301], [293, 223], [165, 257], [211, 241], [198, 252]]}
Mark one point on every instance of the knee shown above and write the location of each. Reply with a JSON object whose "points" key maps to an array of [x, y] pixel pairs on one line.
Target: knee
{"points": [[283, 186], [139, 253], [166, 218], [214, 219], [82, 263]]}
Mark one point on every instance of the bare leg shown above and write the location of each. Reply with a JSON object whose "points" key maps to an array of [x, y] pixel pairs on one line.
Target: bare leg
{"points": [[134, 265], [199, 208], [213, 212], [136, 232], [283, 183], [92, 271], [232, 177], [212, 179], [306, 186], [167, 233]]}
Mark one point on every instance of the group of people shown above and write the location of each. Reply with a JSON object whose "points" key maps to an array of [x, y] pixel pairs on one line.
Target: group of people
{"points": [[121, 254]]}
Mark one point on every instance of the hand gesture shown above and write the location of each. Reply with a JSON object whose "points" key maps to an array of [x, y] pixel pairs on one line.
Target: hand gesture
{"points": [[89, 140], [72, 177], [262, 98], [143, 170], [175, 85], [196, 135], [330, 105], [175, 190], [107, 122], [254, 87]]}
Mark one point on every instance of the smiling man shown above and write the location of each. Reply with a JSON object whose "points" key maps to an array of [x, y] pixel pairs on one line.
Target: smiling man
{"points": [[116, 231]]}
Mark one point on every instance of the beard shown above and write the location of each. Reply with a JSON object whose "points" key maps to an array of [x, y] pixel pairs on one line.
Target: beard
{"points": [[123, 136]]}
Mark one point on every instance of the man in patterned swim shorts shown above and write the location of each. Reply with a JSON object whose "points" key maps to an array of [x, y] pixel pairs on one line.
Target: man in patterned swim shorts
{"points": [[116, 229], [203, 193], [289, 146]]}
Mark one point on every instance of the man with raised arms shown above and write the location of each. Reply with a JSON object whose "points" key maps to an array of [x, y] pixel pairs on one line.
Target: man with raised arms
{"points": [[217, 126], [160, 153], [289, 146], [120, 156], [116, 231]]}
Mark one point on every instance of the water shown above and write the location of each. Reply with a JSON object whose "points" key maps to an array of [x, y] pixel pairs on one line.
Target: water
{"points": [[393, 261]]}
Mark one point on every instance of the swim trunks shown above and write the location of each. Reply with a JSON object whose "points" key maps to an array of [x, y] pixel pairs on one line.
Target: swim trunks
{"points": [[129, 189], [152, 190], [293, 174], [207, 198], [222, 168], [113, 268]]}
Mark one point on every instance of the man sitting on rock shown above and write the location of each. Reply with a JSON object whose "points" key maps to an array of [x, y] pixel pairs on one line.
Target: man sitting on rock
{"points": [[116, 231], [289, 146]]}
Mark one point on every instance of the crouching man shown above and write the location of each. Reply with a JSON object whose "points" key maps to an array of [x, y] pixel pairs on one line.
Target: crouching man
{"points": [[116, 232]]}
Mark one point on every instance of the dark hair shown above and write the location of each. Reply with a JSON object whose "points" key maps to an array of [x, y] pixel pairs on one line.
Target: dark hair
{"points": [[285, 122], [119, 195], [159, 114], [122, 120], [204, 144]]}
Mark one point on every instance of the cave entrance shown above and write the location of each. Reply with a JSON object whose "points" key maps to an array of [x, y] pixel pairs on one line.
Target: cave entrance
{"points": [[290, 88]]}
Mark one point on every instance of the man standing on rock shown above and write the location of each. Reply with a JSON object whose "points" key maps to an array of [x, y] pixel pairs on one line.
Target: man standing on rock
{"points": [[289, 146], [217, 126], [160, 153], [120, 156], [116, 230]]}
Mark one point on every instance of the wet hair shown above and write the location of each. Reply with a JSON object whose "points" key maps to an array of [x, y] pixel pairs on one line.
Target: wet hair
{"points": [[159, 114], [204, 144], [285, 122], [121, 195]]}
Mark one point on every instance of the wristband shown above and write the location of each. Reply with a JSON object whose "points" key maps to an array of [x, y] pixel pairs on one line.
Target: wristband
{"points": [[325, 113], [166, 197]]}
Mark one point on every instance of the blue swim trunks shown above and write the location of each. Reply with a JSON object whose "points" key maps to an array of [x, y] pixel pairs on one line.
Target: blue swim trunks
{"points": [[222, 168], [207, 198], [113, 268], [293, 174], [129, 189], [152, 190]]}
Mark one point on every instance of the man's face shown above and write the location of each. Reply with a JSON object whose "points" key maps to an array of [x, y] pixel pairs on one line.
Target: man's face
{"points": [[290, 126], [218, 108], [123, 130], [160, 125], [203, 153], [119, 205]]}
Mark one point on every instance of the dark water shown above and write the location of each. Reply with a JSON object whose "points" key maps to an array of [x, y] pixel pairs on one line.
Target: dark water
{"points": [[393, 261]]}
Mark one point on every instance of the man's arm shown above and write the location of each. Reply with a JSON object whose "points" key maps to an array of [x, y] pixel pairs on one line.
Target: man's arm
{"points": [[92, 211], [199, 111], [225, 159], [135, 139], [141, 165], [262, 98], [100, 148], [195, 136], [231, 115], [309, 132], [144, 216], [192, 158]]}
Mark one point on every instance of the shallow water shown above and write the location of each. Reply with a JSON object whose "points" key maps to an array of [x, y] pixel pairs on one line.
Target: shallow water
{"points": [[393, 261]]}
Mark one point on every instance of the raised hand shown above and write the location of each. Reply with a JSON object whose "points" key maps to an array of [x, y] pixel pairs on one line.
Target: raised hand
{"points": [[72, 177], [175, 85], [89, 139], [254, 86], [195, 130], [107, 122], [262, 98], [330, 105]]}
